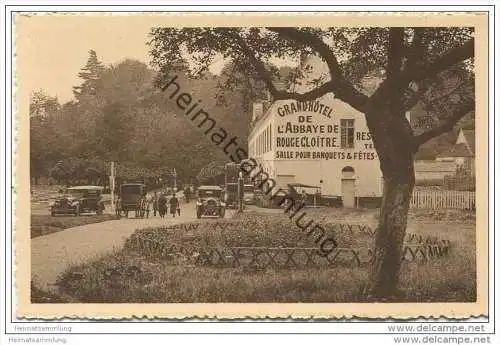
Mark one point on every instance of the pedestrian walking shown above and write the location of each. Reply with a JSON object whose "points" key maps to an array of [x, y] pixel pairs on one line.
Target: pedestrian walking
{"points": [[187, 194], [148, 200], [304, 197], [162, 205], [138, 209], [118, 207], [174, 205], [155, 203], [143, 206]]}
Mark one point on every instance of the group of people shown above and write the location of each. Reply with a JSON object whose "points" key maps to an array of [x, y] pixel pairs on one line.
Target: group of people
{"points": [[159, 202], [161, 205]]}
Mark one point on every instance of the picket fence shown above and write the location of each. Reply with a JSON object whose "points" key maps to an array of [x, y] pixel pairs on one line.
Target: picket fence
{"points": [[437, 199]]}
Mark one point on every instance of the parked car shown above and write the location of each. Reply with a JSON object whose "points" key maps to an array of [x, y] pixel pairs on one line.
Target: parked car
{"points": [[249, 194], [210, 202], [77, 200]]}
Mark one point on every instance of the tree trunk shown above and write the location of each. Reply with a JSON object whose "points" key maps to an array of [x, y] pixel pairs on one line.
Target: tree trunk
{"points": [[392, 138], [390, 237]]}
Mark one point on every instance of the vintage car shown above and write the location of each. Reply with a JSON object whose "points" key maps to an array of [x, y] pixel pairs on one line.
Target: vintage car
{"points": [[130, 197], [210, 202], [77, 200], [249, 194]]}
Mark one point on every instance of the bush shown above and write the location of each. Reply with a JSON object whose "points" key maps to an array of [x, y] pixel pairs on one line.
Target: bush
{"points": [[128, 276], [460, 182]]}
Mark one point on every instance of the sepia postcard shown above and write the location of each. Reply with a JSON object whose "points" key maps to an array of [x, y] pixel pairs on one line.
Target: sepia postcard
{"points": [[251, 165]]}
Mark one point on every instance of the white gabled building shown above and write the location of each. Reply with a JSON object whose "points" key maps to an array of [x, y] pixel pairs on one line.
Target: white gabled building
{"points": [[323, 143]]}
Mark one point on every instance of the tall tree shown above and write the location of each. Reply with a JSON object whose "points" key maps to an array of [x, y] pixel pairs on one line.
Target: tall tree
{"points": [[412, 64], [91, 75], [43, 141], [43, 105]]}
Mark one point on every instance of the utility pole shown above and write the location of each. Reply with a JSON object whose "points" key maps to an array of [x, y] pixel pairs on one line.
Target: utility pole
{"points": [[112, 186], [225, 176], [175, 181], [240, 192]]}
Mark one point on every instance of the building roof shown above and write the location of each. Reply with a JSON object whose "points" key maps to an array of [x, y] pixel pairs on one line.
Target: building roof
{"points": [[86, 188], [209, 188], [301, 185], [433, 166], [470, 137], [458, 150]]}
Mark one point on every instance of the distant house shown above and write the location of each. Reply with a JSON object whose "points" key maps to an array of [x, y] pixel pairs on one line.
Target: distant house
{"points": [[429, 170], [462, 154]]}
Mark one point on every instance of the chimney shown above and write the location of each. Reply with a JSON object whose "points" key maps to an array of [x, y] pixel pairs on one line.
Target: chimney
{"points": [[257, 110]]}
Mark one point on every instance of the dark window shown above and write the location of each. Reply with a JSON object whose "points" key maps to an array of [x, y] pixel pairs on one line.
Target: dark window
{"points": [[232, 187], [209, 193], [92, 194], [348, 169], [132, 189], [347, 133]]}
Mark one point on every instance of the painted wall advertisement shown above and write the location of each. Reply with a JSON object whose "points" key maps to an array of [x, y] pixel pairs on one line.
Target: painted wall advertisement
{"points": [[310, 130]]}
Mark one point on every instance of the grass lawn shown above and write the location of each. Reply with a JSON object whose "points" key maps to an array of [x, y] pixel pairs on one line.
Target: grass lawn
{"points": [[46, 224], [39, 296], [130, 276]]}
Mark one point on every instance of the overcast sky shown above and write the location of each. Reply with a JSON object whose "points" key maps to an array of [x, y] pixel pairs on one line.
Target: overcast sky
{"points": [[53, 49]]}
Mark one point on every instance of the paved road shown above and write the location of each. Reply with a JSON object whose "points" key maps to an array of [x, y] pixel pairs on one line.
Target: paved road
{"points": [[52, 254]]}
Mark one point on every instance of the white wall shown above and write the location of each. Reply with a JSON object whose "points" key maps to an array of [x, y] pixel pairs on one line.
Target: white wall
{"points": [[432, 175], [368, 179], [311, 171]]}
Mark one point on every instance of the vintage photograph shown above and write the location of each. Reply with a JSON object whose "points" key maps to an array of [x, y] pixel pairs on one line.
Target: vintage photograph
{"points": [[299, 160]]}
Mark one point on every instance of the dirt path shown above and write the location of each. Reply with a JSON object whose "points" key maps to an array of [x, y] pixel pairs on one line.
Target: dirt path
{"points": [[52, 254]]}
